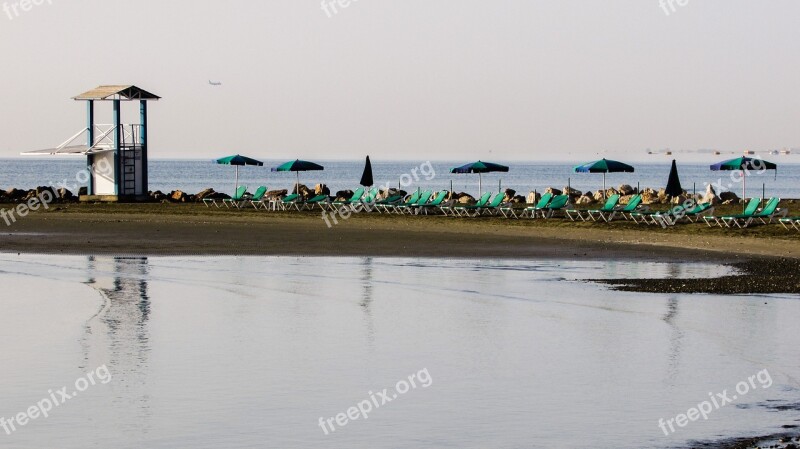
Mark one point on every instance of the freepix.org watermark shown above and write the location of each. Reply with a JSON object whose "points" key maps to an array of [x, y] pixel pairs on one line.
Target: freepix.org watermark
{"points": [[671, 6], [374, 401], [715, 402], [56, 398], [44, 198], [17, 8], [332, 7]]}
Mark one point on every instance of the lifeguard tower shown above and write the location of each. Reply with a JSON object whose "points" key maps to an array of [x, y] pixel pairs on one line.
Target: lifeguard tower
{"points": [[116, 153]]}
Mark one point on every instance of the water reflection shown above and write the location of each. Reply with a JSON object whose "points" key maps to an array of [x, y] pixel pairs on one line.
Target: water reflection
{"points": [[366, 298], [118, 335], [675, 339]]}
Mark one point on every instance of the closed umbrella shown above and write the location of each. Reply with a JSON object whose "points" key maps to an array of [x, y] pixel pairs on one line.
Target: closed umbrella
{"points": [[744, 164], [238, 161], [297, 166], [480, 167], [674, 183], [604, 166], [366, 177]]}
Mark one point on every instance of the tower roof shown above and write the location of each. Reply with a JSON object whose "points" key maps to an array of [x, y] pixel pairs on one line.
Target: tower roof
{"points": [[127, 92]]}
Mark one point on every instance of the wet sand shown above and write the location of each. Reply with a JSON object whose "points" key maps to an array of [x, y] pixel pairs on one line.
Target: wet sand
{"points": [[768, 263]]}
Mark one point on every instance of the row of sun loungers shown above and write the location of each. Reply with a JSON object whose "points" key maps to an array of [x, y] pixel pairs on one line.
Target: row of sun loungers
{"points": [[548, 206]]}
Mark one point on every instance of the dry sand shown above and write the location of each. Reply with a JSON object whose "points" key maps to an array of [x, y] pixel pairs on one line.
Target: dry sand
{"points": [[192, 229]]}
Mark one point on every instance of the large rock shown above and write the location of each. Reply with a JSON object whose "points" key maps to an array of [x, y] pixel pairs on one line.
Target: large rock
{"points": [[276, 194], [65, 195], [598, 196], [553, 191], [207, 193], [625, 199], [509, 195], [518, 199], [178, 196], [158, 195], [464, 198], [710, 196], [680, 199], [572, 192], [458, 197], [16, 194], [625, 190], [649, 196], [533, 198], [388, 193], [83, 191], [663, 198], [344, 195], [303, 190], [584, 200], [729, 196]]}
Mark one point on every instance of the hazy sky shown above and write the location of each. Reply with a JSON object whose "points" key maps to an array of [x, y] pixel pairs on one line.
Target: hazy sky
{"points": [[418, 79]]}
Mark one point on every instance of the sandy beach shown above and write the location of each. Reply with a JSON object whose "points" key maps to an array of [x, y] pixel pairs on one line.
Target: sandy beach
{"points": [[167, 229]]}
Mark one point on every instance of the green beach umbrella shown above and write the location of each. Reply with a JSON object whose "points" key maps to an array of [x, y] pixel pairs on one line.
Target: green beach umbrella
{"points": [[744, 164], [238, 161], [480, 167], [604, 166], [297, 166]]}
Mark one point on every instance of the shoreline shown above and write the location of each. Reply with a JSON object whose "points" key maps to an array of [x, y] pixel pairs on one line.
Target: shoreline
{"points": [[766, 263]]}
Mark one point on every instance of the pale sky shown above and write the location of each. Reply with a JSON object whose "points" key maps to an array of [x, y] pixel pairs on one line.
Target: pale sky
{"points": [[411, 79]]}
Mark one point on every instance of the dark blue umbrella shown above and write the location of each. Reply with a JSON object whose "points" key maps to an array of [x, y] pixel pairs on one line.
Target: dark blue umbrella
{"points": [[480, 167], [604, 166], [366, 177], [674, 187]]}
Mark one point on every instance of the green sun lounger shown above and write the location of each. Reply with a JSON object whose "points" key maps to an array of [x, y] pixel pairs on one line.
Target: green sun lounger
{"points": [[389, 207], [725, 220], [354, 198], [256, 200], [382, 206], [239, 196], [289, 201], [765, 215], [794, 222], [433, 204], [319, 200], [461, 210], [490, 208], [693, 214], [634, 205], [407, 208], [509, 212], [367, 202], [595, 214], [559, 203], [240, 192], [671, 217]]}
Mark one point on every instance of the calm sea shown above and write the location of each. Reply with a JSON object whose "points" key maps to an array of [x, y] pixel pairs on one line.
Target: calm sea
{"points": [[236, 352], [194, 176]]}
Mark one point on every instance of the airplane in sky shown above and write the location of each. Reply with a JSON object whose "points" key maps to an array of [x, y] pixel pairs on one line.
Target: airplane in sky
{"points": [[215, 83]]}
